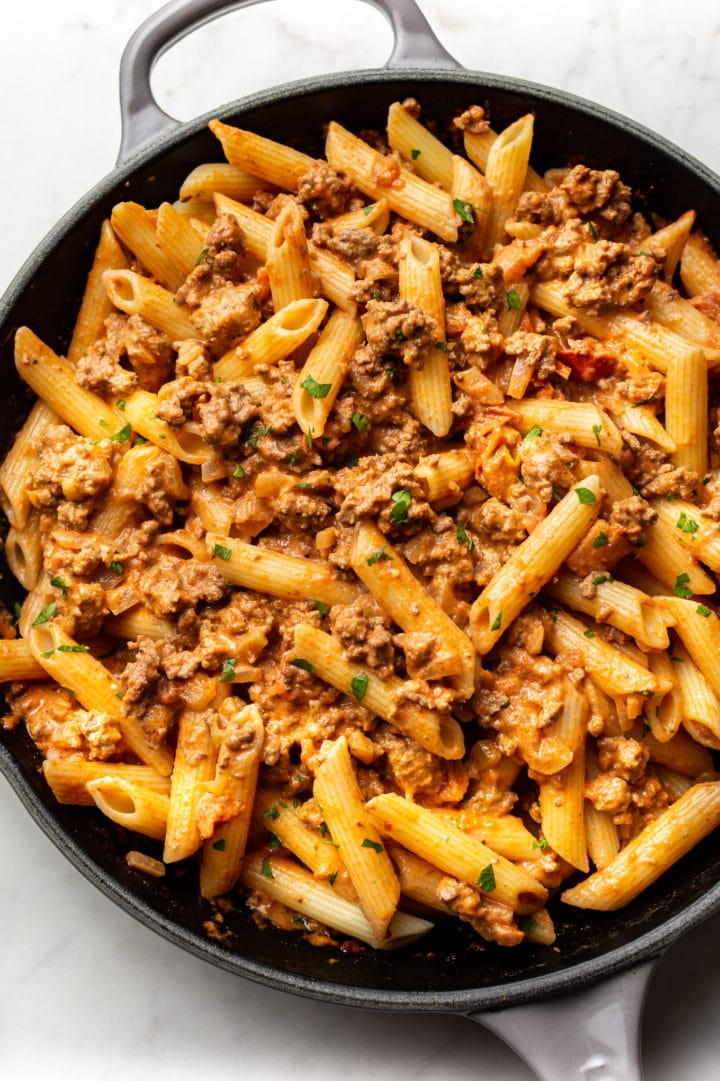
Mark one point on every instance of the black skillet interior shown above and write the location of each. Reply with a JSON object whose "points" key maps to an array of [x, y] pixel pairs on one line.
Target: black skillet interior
{"points": [[449, 970]]}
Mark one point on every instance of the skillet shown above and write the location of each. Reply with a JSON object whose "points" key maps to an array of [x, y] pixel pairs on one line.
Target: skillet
{"points": [[593, 945]]}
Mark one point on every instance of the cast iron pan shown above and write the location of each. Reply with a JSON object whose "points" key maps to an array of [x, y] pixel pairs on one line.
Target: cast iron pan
{"points": [[449, 971]]}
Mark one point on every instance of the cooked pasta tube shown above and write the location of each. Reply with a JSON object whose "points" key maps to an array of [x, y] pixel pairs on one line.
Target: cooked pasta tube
{"points": [[688, 524], [436, 732], [562, 803], [613, 671], [371, 871], [641, 420], [95, 306], [445, 476], [238, 732], [72, 666], [652, 852], [681, 753], [280, 575], [505, 834], [665, 713], [316, 851], [420, 284], [194, 764], [613, 602], [506, 172], [288, 260], [141, 412], [135, 295], [68, 778], [381, 178], [686, 409], [667, 243], [679, 315], [291, 885], [204, 180], [177, 238], [587, 424], [477, 148], [445, 846], [323, 373], [699, 703], [23, 551], [271, 161], [532, 564], [132, 224], [137, 621], [699, 266], [431, 159], [18, 466], [398, 591], [130, 805], [53, 380], [699, 628], [274, 339], [601, 833], [17, 661], [375, 216], [474, 194]]}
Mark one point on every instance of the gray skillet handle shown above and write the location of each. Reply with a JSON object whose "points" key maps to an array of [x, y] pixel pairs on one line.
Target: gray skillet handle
{"points": [[591, 1035], [142, 118]]}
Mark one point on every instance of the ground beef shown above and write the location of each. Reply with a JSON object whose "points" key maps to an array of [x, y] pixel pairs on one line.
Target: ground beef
{"points": [[366, 634], [709, 304], [226, 314], [161, 487], [173, 584], [482, 285], [538, 352], [398, 328], [325, 193], [609, 793], [60, 730], [223, 410], [548, 465], [149, 352], [472, 120], [370, 495], [481, 340], [71, 472], [608, 275], [680, 482], [492, 921], [221, 263], [132, 353], [81, 613], [598, 193], [417, 774], [622, 757]]}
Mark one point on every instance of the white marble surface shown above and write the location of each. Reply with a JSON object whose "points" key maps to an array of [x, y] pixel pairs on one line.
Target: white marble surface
{"points": [[86, 992]]}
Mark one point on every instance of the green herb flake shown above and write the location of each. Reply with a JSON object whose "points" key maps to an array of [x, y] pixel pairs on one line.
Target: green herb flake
{"points": [[601, 540], [401, 500], [274, 841], [534, 432], [478, 274], [68, 690], [121, 403], [304, 484], [322, 608], [415, 153], [332, 877], [47, 653], [368, 209], [588, 633], [139, 440], [359, 685], [300, 662], [200, 257], [272, 812], [117, 567], [59, 584], [309, 437], [681, 588], [266, 869], [239, 472], [124, 435], [315, 389], [222, 552], [377, 556], [228, 671], [47, 613], [486, 881], [505, 704], [497, 622], [73, 649], [585, 495], [120, 695], [293, 457], [542, 845], [703, 610], [375, 845], [597, 428], [649, 254], [253, 433], [599, 579], [677, 660], [441, 346], [556, 495], [465, 210], [685, 524], [17, 612], [361, 422], [352, 462], [219, 846], [463, 537], [513, 300]]}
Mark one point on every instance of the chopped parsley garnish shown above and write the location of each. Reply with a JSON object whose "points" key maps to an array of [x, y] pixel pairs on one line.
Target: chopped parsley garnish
{"points": [[252, 434], [601, 540], [315, 389], [400, 334], [59, 584], [542, 845], [361, 422], [593, 232], [486, 881], [322, 608], [415, 153], [47, 613], [120, 695], [121, 403], [309, 437], [588, 633], [377, 556], [123, 436], [47, 653], [505, 704], [647, 253], [219, 846], [687, 525], [73, 649], [293, 458], [200, 257], [300, 662], [534, 432], [599, 579], [463, 537], [332, 877], [497, 622], [222, 552], [527, 924], [274, 841], [367, 209], [513, 300], [228, 672], [266, 869], [359, 685], [681, 588], [272, 812], [465, 210], [375, 845], [703, 610], [117, 567], [556, 495], [352, 462], [17, 612], [239, 472], [304, 484], [597, 428], [477, 273], [401, 505], [585, 495]]}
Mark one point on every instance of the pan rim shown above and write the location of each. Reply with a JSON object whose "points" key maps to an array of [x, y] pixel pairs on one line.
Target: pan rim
{"points": [[465, 1001]]}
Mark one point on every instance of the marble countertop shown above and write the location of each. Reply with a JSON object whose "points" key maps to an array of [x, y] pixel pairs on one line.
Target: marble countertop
{"points": [[88, 993]]}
